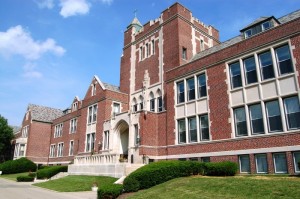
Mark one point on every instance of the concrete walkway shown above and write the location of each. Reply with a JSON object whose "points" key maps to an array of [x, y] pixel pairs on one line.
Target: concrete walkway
{"points": [[15, 190]]}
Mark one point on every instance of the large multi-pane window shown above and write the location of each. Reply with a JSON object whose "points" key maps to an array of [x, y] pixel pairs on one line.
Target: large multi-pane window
{"points": [[266, 65], [181, 131], [283, 58], [58, 130], [90, 142], [261, 163], [250, 70], [25, 131], [106, 140], [201, 85], [292, 112], [280, 164], [240, 121], [92, 114], [274, 116], [296, 156], [73, 125], [52, 150], [244, 161], [204, 129], [256, 118], [192, 129], [190, 89], [235, 75], [60, 149], [180, 92]]}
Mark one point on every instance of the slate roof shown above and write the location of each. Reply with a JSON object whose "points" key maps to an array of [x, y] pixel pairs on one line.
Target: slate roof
{"points": [[43, 113], [111, 87], [230, 42], [256, 22]]}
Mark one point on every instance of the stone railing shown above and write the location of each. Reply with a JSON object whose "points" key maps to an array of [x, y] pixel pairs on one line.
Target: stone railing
{"points": [[97, 159]]}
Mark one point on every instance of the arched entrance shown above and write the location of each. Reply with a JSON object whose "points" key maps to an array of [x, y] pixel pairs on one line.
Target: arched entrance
{"points": [[122, 130]]}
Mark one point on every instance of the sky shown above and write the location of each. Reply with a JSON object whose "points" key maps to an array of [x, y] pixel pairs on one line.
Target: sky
{"points": [[51, 49]]}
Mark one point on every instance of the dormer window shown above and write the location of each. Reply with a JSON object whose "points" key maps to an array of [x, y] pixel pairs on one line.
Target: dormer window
{"points": [[93, 89], [248, 33], [266, 25], [75, 105]]}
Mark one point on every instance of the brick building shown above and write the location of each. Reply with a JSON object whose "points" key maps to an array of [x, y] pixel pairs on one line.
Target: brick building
{"points": [[185, 95]]}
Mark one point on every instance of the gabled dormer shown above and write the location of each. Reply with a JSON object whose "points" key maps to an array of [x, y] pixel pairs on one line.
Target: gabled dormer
{"points": [[259, 25], [75, 104]]}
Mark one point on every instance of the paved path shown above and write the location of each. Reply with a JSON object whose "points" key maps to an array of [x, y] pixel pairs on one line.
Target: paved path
{"points": [[24, 190]]}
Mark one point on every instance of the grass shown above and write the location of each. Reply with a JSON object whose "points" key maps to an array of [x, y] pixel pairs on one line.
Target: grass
{"points": [[238, 187], [13, 176], [75, 183]]}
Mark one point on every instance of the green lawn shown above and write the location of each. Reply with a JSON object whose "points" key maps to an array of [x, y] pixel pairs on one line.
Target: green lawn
{"points": [[225, 187], [13, 176], [75, 183]]}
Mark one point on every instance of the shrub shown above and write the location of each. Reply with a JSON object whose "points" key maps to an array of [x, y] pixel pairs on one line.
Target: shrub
{"points": [[110, 191], [221, 168], [25, 178], [17, 166], [50, 171], [32, 174], [159, 172]]}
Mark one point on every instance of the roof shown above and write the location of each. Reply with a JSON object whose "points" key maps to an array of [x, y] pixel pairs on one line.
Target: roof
{"points": [[43, 113], [261, 19], [16, 129], [111, 87], [230, 42]]}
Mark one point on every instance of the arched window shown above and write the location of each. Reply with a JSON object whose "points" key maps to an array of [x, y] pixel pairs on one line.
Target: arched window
{"points": [[134, 105], [141, 102], [152, 102], [159, 101]]}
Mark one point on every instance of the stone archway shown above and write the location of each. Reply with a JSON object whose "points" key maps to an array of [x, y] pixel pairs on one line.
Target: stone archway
{"points": [[122, 129]]}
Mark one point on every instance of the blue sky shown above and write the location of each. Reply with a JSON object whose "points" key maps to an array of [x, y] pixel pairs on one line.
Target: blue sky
{"points": [[50, 49]]}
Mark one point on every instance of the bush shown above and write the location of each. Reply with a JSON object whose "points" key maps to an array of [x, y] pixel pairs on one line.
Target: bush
{"points": [[25, 179], [50, 171], [221, 168], [17, 166], [32, 174], [110, 191], [159, 172]]}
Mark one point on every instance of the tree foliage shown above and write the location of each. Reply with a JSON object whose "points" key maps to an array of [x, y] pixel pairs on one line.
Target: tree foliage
{"points": [[6, 135]]}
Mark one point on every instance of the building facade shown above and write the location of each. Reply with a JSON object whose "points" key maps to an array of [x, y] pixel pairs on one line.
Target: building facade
{"points": [[185, 95]]}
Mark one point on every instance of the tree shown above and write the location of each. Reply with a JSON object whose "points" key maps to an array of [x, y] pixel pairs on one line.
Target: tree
{"points": [[6, 135]]}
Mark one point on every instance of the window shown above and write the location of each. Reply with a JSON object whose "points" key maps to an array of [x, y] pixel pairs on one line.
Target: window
{"points": [[181, 131], [58, 130], [73, 125], [147, 50], [292, 111], [250, 69], [280, 163], [106, 140], [71, 148], [256, 118], [136, 135], [201, 45], [153, 47], [205, 159], [180, 92], [134, 106], [184, 53], [159, 104], [201, 85], [141, 53], [92, 114], [52, 150], [296, 156], [274, 116], [248, 33], [116, 108], [16, 152], [240, 122], [192, 129], [266, 25], [266, 65], [141, 103], [190, 88], [283, 58], [204, 129], [90, 142], [22, 150], [261, 163], [235, 75], [152, 104], [75, 105], [60, 149], [93, 89], [244, 161], [25, 131]]}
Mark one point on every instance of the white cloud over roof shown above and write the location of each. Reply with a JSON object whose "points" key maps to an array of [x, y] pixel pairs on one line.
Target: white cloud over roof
{"points": [[17, 41]]}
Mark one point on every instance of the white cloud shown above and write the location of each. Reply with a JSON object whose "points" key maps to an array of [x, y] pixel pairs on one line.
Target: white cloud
{"points": [[74, 7], [17, 41], [45, 3], [107, 1], [30, 72]]}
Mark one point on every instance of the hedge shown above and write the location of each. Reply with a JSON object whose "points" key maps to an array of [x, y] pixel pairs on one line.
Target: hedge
{"points": [[17, 166], [110, 191], [25, 178], [50, 171], [159, 172]]}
